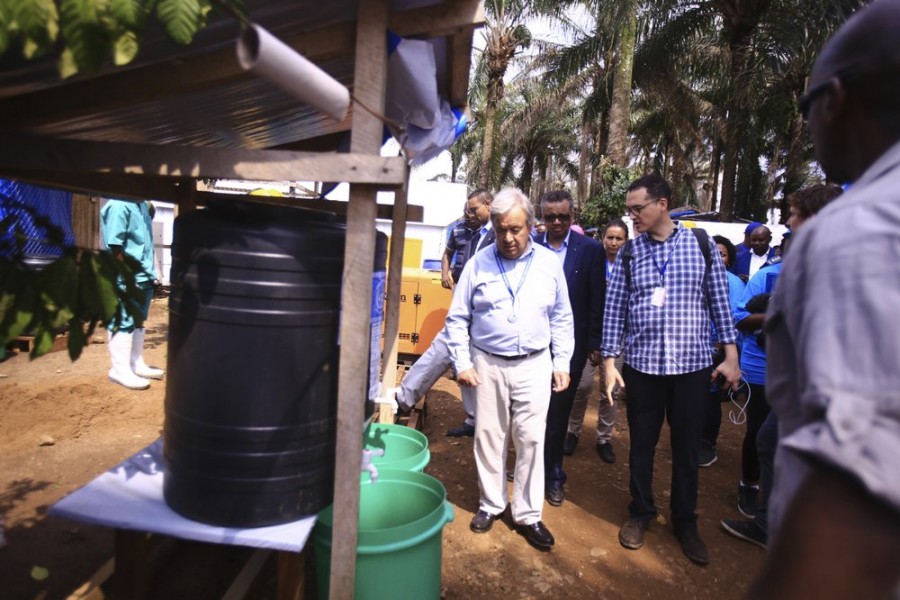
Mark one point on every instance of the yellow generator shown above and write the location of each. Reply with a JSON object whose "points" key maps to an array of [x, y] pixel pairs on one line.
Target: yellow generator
{"points": [[424, 303]]}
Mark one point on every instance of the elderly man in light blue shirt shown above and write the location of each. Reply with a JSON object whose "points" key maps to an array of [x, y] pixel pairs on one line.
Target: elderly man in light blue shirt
{"points": [[511, 337]]}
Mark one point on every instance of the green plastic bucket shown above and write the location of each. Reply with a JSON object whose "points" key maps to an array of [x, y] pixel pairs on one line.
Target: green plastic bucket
{"points": [[405, 449], [401, 518]]}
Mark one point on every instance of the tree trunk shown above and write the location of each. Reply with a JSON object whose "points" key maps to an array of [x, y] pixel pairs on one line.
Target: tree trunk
{"points": [[584, 161], [487, 147], [729, 168], [716, 163], [620, 108], [794, 166]]}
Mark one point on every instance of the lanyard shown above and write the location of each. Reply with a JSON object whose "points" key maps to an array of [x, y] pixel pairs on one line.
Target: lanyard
{"points": [[662, 271], [506, 279]]}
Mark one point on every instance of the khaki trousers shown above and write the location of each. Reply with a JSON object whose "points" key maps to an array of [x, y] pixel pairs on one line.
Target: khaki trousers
{"points": [[512, 402]]}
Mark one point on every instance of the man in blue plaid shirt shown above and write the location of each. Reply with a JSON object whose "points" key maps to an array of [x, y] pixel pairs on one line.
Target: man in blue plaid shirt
{"points": [[659, 300]]}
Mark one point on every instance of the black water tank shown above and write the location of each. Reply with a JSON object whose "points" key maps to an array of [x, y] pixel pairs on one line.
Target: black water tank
{"points": [[250, 414]]}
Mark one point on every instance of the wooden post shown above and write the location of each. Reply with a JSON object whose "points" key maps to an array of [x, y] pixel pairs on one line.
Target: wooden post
{"points": [[392, 308], [356, 294], [86, 221], [130, 579], [291, 576]]}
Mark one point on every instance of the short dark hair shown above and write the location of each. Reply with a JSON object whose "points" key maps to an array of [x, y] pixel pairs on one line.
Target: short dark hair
{"points": [[655, 185], [616, 222], [810, 200], [482, 194], [557, 196], [729, 247]]}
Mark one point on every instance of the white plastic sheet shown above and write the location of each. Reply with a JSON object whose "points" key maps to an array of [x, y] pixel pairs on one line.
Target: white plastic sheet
{"points": [[129, 496]]}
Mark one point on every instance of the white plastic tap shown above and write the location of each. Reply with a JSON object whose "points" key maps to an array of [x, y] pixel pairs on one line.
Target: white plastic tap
{"points": [[367, 463]]}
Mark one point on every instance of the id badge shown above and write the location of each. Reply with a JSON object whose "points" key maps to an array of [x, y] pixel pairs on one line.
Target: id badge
{"points": [[659, 297]]}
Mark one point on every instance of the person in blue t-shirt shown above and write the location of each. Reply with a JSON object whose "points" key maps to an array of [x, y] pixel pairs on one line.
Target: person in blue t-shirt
{"points": [[713, 418]]}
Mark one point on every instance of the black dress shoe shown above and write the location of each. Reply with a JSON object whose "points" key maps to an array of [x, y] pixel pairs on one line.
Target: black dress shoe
{"points": [[556, 496], [464, 430], [537, 535], [482, 521], [605, 450], [569, 444]]}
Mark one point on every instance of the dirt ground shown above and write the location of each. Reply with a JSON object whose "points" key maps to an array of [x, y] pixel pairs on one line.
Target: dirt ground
{"points": [[63, 423]]}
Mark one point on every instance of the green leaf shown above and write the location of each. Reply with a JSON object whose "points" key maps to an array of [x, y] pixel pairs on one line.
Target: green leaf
{"points": [[181, 19], [13, 280], [77, 340], [5, 22], [106, 284], [38, 22], [130, 14], [67, 65], [125, 48], [43, 342], [21, 315], [83, 29]]}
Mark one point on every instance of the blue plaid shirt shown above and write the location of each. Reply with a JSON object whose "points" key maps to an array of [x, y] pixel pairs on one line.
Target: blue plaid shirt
{"points": [[674, 338]]}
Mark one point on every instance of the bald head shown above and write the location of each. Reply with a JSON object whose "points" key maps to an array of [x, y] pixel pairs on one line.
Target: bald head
{"points": [[853, 99], [760, 240]]}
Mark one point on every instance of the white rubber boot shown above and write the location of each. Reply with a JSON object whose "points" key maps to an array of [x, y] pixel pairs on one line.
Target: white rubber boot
{"points": [[120, 354], [140, 368]]}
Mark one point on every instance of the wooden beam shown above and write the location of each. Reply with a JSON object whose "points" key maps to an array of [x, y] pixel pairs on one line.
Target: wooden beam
{"points": [[109, 185], [22, 153], [392, 306], [369, 87], [214, 66], [459, 57], [414, 213], [438, 20]]}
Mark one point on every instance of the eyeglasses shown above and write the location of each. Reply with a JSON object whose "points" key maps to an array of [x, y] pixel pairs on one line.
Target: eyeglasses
{"points": [[549, 218], [843, 76], [635, 211], [806, 101], [472, 211]]}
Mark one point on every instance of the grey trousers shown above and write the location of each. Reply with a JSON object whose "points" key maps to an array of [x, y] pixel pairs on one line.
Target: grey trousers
{"points": [[606, 413], [427, 370]]}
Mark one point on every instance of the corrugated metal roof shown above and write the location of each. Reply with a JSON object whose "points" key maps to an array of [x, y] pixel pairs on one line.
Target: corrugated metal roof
{"points": [[195, 95]]}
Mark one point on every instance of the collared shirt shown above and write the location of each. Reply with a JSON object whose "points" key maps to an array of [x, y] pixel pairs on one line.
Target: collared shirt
{"points": [[833, 339], [476, 242], [457, 240], [128, 224], [482, 304], [757, 262], [563, 248], [674, 338]]}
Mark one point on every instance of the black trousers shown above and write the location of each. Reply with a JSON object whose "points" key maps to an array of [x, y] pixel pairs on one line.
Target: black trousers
{"points": [[681, 400], [757, 411], [558, 425]]}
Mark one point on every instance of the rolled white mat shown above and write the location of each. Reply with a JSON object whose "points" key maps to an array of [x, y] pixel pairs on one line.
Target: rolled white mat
{"points": [[261, 53]]}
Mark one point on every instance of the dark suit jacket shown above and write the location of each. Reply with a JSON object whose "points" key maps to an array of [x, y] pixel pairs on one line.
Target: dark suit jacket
{"points": [[585, 269], [473, 247], [741, 264]]}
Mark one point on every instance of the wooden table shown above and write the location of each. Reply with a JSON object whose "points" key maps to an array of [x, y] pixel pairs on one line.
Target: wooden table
{"points": [[129, 498]]}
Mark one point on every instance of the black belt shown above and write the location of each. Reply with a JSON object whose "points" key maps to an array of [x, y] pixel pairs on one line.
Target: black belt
{"points": [[514, 357]]}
